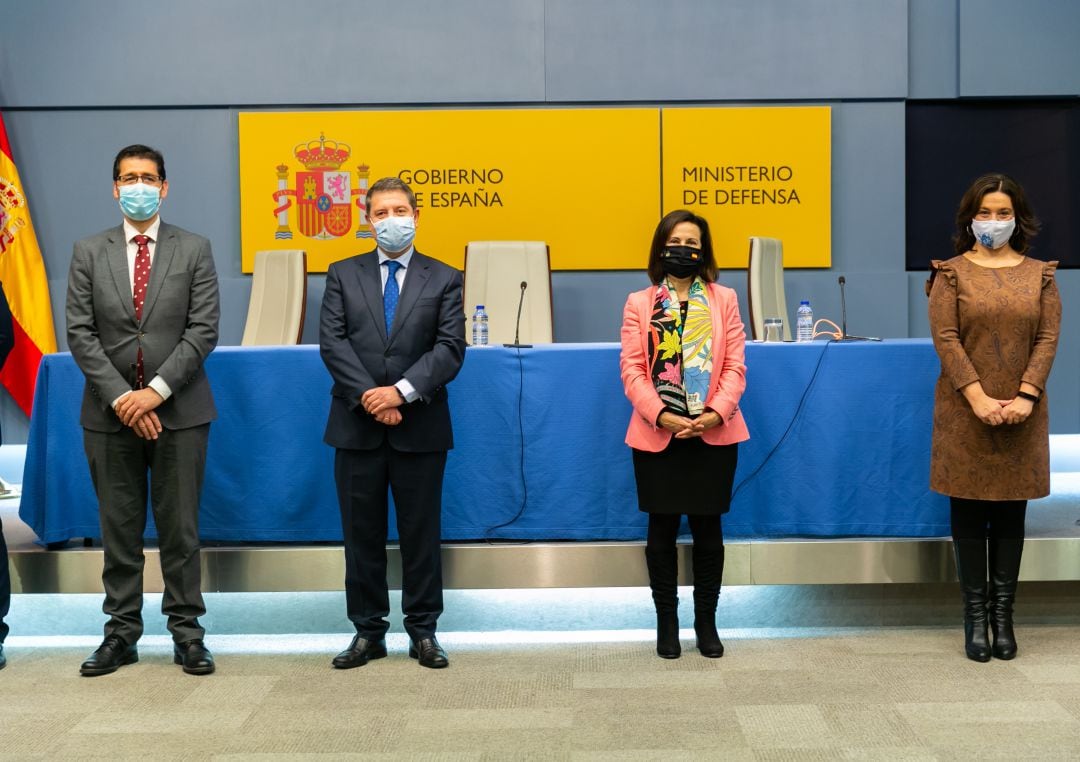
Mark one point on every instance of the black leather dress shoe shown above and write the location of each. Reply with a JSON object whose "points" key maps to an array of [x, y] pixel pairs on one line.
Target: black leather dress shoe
{"points": [[360, 652], [430, 653], [112, 654], [194, 657], [3, 659]]}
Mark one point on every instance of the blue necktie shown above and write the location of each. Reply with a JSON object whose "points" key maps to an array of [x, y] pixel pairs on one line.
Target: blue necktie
{"points": [[390, 293]]}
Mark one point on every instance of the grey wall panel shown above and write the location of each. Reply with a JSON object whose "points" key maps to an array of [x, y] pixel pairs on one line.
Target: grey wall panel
{"points": [[918, 308], [1008, 48], [234, 52], [868, 186], [587, 306], [932, 51], [603, 50], [1064, 385]]}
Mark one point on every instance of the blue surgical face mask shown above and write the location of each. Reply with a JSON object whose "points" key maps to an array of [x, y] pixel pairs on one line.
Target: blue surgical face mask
{"points": [[140, 201], [395, 234], [993, 234]]}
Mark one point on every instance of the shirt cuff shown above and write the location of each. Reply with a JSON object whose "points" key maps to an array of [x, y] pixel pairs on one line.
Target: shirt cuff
{"points": [[408, 391], [157, 383]]}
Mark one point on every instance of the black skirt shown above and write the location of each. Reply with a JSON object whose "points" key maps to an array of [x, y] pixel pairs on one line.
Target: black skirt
{"points": [[689, 476]]}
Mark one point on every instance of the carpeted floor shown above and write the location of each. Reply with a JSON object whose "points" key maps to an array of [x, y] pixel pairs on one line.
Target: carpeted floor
{"points": [[885, 693]]}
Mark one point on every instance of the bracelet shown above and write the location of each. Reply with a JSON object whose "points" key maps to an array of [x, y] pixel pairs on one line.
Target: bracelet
{"points": [[1029, 397]]}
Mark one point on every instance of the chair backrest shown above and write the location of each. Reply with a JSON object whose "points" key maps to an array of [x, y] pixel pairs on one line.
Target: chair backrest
{"points": [[278, 299], [494, 271], [765, 291]]}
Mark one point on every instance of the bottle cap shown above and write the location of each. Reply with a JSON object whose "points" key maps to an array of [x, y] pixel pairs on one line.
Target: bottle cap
{"points": [[479, 306], [805, 301]]}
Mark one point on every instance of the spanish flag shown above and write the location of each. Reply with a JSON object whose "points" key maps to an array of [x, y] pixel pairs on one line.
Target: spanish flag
{"points": [[28, 332]]}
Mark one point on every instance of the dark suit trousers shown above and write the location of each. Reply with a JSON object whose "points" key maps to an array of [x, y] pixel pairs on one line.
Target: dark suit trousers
{"points": [[415, 479], [125, 469], [5, 585]]}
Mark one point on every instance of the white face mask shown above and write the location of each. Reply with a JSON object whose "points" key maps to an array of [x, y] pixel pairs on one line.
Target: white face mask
{"points": [[993, 234], [395, 234]]}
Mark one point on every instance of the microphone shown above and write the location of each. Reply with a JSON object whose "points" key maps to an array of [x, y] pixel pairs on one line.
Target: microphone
{"points": [[843, 308], [844, 336], [517, 323]]}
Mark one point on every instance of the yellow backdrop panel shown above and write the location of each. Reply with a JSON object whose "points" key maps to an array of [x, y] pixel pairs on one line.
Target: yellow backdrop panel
{"points": [[584, 180], [753, 172]]}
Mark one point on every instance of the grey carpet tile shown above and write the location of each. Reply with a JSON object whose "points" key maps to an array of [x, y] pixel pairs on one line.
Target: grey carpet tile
{"points": [[729, 754], [602, 704], [785, 726], [500, 741], [869, 725], [495, 693], [659, 730], [905, 693], [300, 756], [892, 753]]}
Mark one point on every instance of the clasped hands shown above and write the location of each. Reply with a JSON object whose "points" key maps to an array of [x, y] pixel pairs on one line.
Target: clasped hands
{"points": [[994, 412], [688, 428], [383, 402], [136, 409]]}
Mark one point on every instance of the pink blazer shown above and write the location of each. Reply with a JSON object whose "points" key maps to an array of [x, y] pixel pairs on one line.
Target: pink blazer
{"points": [[726, 384]]}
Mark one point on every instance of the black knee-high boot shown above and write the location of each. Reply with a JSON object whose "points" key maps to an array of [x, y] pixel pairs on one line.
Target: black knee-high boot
{"points": [[708, 575], [1005, 555], [971, 569], [663, 567]]}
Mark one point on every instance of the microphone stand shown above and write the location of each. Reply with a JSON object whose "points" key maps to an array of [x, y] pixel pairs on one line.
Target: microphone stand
{"points": [[517, 323], [844, 335]]}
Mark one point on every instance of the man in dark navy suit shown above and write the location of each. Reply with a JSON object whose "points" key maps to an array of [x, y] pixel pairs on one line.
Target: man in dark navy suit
{"points": [[392, 335]]}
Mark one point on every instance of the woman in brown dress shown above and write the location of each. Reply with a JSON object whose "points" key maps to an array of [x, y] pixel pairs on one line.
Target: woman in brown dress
{"points": [[994, 316]]}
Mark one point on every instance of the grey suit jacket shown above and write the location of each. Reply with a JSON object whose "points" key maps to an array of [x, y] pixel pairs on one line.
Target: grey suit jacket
{"points": [[426, 346], [179, 325]]}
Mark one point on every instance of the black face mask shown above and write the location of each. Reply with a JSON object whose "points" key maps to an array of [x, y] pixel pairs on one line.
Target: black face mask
{"points": [[680, 261]]}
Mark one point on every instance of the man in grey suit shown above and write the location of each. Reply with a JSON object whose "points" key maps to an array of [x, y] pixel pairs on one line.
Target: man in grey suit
{"points": [[392, 335], [142, 316]]}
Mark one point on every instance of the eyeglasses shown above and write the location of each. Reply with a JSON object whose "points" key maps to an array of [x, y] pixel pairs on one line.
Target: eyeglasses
{"points": [[132, 179]]}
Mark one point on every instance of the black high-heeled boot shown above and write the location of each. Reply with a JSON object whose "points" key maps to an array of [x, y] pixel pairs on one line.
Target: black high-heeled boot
{"points": [[708, 575], [1005, 556], [971, 569], [663, 568]]}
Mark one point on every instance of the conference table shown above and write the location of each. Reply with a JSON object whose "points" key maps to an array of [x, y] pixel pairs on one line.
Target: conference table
{"points": [[839, 447]]}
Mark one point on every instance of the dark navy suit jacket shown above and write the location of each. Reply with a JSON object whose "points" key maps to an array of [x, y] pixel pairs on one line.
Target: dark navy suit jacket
{"points": [[426, 346]]}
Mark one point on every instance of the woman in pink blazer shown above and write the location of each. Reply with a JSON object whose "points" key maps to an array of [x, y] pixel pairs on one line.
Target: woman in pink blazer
{"points": [[682, 368]]}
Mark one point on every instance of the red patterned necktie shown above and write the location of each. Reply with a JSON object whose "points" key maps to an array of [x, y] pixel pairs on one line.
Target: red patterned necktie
{"points": [[142, 277]]}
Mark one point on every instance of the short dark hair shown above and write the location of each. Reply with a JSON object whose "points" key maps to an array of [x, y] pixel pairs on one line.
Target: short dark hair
{"points": [[390, 184], [1026, 223], [708, 270], [138, 151]]}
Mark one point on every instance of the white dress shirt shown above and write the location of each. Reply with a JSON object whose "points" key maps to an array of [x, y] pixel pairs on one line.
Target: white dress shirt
{"points": [[157, 383]]}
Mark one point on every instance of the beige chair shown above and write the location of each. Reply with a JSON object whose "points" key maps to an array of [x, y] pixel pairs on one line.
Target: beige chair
{"points": [[278, 299], [494, 271], [765, 292]]}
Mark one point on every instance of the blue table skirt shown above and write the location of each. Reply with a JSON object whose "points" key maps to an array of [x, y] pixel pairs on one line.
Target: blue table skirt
{"points": [[840, 442]]}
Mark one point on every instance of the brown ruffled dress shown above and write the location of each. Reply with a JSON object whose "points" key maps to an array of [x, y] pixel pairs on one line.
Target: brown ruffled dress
{"points": [[998, 326]]}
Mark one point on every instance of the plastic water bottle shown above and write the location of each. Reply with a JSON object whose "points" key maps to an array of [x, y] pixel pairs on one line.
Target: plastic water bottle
{"points": [[804, 322], [479, 327]]}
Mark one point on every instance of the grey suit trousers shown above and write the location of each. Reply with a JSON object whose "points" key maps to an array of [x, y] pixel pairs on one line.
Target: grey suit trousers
{"points": [[126, 470]]}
